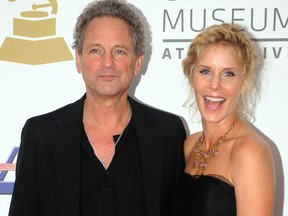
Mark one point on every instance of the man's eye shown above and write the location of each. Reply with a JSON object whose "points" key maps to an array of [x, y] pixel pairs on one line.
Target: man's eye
{"points": [[94, 50], [119, 51]]}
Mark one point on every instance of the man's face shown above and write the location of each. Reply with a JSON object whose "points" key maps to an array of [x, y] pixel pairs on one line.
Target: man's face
{"points": [[108, 62]]}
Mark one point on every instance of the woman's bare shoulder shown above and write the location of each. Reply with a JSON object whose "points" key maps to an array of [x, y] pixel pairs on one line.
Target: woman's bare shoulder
{"points": [[250, 143], [250, 153], [252, 171]]}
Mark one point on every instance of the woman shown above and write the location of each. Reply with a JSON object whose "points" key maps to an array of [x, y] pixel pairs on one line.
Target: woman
{"points": [[229, 167]]}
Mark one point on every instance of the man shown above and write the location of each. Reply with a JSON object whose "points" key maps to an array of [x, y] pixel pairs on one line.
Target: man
{"points": [[105, 154]]}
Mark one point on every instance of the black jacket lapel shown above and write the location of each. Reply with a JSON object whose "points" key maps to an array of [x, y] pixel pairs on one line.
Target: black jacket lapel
{"points": [[151, 146], [66, 144]]}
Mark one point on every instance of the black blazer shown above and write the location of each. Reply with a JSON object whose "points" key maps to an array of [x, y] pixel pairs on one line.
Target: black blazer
{"points": [[48, 165]]}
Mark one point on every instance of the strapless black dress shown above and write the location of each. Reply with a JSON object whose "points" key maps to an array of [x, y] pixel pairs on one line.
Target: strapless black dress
{"points": [[203, 195]]}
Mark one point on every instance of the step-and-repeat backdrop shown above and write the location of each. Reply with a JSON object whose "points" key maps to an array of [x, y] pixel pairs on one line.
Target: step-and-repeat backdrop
{"points": [[37, 67]]}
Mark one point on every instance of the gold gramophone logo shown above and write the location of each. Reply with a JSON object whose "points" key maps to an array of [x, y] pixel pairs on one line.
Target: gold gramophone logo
{"points": [[34, 38]]}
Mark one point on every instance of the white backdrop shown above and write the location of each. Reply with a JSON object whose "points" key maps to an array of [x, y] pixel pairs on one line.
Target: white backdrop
{"points": [[27, 90]]}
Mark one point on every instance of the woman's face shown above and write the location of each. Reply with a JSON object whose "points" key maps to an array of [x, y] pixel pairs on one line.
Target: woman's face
{"points": [[217, 80]]}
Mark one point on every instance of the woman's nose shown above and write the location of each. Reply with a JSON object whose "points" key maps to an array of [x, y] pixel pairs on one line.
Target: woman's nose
{"points": [[215, 82]]}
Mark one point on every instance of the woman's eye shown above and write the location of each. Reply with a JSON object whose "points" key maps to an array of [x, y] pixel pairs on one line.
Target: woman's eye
{"points": [[229, 74], [205, 72]]}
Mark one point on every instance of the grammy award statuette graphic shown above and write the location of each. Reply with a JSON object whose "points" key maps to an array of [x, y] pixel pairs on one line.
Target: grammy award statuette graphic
{"points": [[34, 41]]}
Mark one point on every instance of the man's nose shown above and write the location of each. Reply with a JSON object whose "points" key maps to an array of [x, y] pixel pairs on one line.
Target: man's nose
{"points": [[108, 60]]}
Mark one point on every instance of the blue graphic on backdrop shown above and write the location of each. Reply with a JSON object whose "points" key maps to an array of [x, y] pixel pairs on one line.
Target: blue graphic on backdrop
{"points": [[7, 187]]}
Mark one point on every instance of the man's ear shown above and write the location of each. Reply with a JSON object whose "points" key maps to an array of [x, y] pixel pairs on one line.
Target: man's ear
{"points": [[138, 64], [78, 61]]}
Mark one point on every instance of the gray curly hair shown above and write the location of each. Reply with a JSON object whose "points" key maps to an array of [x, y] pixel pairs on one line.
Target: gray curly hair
{"points": [[112, 8]]}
